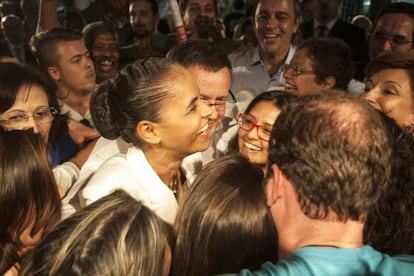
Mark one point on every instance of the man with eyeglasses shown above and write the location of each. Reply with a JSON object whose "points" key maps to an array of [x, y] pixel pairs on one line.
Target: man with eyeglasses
{"points": [[212, 71], [393, 29]]}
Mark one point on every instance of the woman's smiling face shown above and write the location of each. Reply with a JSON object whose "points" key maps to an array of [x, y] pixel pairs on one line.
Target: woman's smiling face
{"points": [[184, 118], [255, 149], [391, 92]]}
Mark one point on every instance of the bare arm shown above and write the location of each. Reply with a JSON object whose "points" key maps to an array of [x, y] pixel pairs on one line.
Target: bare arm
{"points": [[48, 17]]}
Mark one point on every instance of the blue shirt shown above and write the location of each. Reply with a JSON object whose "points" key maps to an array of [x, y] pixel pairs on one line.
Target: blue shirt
{"points": [[320, 261], [63, 150]]}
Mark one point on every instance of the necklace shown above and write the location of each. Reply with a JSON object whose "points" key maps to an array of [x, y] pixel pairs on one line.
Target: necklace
{"points": [[175, 185]]}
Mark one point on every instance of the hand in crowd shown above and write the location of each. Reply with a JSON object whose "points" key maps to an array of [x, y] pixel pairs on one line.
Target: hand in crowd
{"points": [[81, 134], [80, 158]]}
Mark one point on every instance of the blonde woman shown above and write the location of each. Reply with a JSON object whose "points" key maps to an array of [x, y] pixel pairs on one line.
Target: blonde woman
{"points": [[115, 235]]}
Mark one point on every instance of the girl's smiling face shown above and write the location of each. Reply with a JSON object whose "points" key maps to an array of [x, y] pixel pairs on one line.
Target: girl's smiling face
{"points": [[255, 149]]}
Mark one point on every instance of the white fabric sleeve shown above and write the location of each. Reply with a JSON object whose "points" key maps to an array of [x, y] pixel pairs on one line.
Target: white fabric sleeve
{"points": [[66, 175]]}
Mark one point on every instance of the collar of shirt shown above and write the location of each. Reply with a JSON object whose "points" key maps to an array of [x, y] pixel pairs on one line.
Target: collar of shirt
{"points": [[257, 60], [73, 114]]}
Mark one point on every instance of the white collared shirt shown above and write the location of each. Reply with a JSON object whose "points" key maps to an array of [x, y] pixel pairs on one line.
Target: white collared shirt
{"points": [[132, 173], [73, 114], [250, 76]]}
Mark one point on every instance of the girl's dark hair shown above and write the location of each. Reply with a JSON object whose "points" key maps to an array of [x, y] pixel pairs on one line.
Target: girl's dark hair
{"points": [[389, 225], [135, 94], [223, 224], [28, 192]]}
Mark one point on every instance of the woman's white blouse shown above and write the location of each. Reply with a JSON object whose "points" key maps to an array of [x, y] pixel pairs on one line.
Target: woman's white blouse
{"points": [[132, 173]]}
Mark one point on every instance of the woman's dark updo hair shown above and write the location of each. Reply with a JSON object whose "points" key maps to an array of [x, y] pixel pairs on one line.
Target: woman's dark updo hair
{"points": [[135, 94]]}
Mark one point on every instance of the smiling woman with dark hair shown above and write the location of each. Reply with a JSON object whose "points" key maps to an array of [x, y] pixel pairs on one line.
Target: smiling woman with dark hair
{"points": [[155, 106], [224, 224], [255, 125]]}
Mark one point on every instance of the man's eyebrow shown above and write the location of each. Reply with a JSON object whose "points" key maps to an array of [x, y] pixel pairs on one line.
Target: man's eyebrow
{"points": [[79, 55]]}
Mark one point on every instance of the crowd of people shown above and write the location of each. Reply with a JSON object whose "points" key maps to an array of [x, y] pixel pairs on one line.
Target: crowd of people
{"points": [[277, 141]]}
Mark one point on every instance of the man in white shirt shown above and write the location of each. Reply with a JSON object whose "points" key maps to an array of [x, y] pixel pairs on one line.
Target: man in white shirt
{"points": [[276, 22]]}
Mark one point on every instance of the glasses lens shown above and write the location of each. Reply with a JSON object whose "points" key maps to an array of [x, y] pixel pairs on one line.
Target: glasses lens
{"points": [[295, 70], [45, 115], [220, 105], [264, 133], [399, 40], [245, 123], [394, 39], [17, 118]]}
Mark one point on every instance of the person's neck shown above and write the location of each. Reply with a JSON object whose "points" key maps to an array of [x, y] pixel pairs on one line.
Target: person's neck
{"points": [[78, 102], [321, 233], [273, 62], [165, 165]]}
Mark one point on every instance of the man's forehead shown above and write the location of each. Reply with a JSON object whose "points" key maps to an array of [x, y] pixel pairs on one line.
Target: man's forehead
{"points": [[139, 5], [399, 20], [275, 6], [105, 36], [200, 3], [71, 48]]}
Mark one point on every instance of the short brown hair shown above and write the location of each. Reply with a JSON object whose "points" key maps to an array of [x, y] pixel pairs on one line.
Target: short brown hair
{"points": [[44, 45], [336, 151]]}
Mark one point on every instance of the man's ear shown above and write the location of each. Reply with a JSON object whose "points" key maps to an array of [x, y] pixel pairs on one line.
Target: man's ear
{"points": [[296, 24], [274, 185], [53, 73], [146, 131]]}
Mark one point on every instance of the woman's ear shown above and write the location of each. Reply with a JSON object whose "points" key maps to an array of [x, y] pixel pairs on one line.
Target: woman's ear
{"points": [[329, 83], [146, 131]]}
